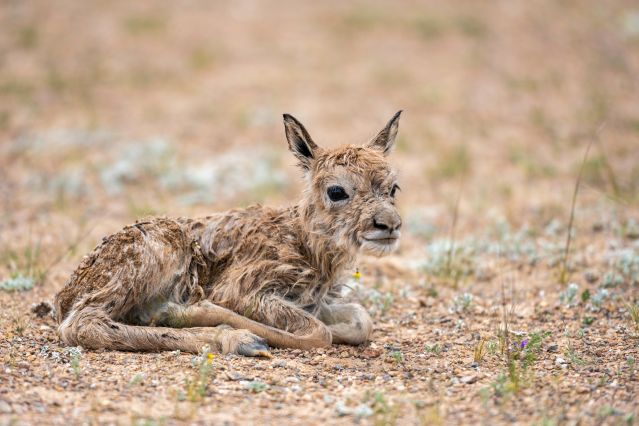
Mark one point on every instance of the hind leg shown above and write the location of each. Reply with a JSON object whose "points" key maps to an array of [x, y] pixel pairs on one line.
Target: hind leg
{"points": [[349, 322], [92, 328]]}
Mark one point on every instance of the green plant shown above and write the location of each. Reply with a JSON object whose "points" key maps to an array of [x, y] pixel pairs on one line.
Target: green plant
{"points": [[519, 361], [136, 379], [195, 386], [433, 349], [255, 386], [376, 302], [529, 348], [397, 356], [75, 355], [385, 412]]}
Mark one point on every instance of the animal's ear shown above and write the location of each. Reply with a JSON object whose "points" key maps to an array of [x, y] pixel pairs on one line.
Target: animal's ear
{"points": [[385, 139], [299, 141]]}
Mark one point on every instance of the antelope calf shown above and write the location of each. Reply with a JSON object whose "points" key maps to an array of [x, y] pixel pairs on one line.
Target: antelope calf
{"points": [[248, 278]]}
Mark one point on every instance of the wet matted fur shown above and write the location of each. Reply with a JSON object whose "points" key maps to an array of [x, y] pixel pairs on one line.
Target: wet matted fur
{"points": [[247, 278]]}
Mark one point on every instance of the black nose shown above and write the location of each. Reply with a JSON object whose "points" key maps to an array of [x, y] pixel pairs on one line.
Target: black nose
{"points": [[390, 225]]}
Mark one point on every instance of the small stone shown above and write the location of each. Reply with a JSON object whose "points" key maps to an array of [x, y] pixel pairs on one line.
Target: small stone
{"points": [[233, 376], [591, 276], [469, 380], [370, 353], [426, 302], [583, 389], [344, 354]]}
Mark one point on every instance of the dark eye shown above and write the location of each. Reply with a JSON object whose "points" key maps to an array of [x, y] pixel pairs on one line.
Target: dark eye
{"points": [[394, 189], [336, 193]]}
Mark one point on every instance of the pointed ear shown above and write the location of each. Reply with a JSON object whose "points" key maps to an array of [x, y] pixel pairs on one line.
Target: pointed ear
{"points": [[385, 139], [299, 141]]}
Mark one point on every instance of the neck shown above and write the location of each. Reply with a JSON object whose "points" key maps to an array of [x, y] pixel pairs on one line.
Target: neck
{"points": [[325, 251]]}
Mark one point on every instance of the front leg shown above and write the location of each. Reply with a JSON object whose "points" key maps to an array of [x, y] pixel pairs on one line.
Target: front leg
{"points": [[281, 323], [300, 329], [349, 322]]}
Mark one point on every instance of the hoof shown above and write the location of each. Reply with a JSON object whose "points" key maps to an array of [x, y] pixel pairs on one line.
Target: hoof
{"points": [[256, 348]]}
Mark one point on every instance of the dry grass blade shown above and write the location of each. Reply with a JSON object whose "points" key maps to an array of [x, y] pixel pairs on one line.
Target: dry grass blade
{"points": [[453, 232], [564, 273]]}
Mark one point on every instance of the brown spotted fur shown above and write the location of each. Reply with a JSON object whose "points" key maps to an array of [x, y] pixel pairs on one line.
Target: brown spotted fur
{"points": [[244, 278]]}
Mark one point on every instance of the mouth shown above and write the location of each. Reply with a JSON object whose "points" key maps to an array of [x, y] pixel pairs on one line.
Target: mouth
{"points": [[383, 241], [379, 246]]}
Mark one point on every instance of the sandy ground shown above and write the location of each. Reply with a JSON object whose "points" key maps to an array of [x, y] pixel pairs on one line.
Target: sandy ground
{"points": [[110, 111]]}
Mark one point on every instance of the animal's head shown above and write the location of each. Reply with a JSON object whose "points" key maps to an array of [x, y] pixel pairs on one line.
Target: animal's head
{"points": [[350, 192]]}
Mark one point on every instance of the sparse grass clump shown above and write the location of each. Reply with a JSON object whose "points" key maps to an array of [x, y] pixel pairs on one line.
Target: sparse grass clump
{"points": [[255, 386], [480, 351], [144, 24], [573, 356], [623, 268], [384, 411], [633, 310], [375, 301], [449, 261], [452, 164], [568, 296], [17, 283], [26, 269], [461, 303]]}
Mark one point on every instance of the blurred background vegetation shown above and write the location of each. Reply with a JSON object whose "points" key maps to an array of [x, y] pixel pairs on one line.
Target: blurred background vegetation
{"points": [[113, 110]]}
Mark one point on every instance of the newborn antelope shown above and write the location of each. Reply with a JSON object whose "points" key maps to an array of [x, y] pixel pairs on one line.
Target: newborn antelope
{"points": [[248, 278]]}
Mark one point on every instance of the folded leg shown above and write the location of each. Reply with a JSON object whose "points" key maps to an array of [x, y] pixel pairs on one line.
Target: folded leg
{"points": [[282, 324], [349, 322]]}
